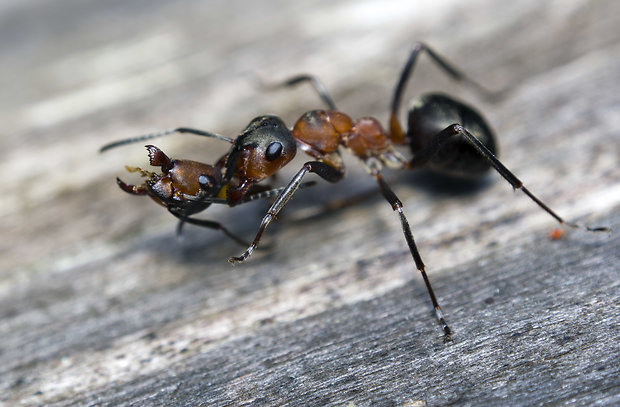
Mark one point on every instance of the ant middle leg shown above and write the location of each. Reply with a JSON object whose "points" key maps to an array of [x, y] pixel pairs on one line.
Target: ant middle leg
{"points": [[422, 157], [397, 206]]}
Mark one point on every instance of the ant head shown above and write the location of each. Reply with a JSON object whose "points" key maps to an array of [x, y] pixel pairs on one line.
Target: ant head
{"points": [[265, 146]]}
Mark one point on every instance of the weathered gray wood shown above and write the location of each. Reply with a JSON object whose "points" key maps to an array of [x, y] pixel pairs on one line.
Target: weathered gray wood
{"points": [[101, 305]]}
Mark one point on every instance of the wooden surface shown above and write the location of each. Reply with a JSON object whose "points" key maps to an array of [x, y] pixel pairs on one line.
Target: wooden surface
{"points": [[100, 304]]}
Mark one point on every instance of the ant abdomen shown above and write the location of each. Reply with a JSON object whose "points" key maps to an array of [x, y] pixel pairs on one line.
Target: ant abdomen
{"points": [[434, 112]]}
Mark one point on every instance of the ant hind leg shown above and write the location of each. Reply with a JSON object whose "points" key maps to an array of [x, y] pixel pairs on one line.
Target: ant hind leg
{"points": [[396, 132], [423, 156], [318, 86], [397, 206]]}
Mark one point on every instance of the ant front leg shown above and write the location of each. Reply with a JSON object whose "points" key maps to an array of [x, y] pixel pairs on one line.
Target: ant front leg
{"points": [[323, 170], [207, 224], [397, 206], [218, 226], [423, 157]]}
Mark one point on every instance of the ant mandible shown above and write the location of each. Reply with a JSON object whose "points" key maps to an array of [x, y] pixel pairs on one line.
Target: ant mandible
{"points": [[443, 134]]}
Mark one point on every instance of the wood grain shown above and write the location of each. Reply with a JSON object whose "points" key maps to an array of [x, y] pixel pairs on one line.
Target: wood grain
{"points": [[100, 304]]}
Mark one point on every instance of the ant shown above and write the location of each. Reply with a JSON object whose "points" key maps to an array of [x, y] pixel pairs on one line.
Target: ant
{"points": [[443, 134]]}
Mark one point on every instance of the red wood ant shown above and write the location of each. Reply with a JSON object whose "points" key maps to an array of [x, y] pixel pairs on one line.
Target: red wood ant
{"points": [[443, 134]]}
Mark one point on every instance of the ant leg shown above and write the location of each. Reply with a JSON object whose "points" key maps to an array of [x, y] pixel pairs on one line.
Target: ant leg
{"points": [[207, 224], [395, 128], [218, 226], [397, 205], [325, 171], [137, 139], [268, 193], [438, 140], [314, 81]]}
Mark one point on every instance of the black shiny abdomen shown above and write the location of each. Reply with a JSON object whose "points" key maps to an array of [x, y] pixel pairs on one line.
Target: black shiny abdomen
{"points": [[432, 113]]}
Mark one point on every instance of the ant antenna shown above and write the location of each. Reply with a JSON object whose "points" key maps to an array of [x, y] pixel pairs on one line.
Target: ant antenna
{"points": [[137, 139]]}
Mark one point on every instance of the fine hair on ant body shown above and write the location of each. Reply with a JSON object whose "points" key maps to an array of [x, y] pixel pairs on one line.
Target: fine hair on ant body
{"points": [[443, 134]]}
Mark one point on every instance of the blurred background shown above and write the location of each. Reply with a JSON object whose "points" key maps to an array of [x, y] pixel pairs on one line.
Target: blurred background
{"points": [[85, 267]]}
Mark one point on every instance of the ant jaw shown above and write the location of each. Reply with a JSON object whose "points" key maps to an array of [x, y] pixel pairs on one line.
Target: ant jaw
{"points": [[131, 189], [157, 158]]}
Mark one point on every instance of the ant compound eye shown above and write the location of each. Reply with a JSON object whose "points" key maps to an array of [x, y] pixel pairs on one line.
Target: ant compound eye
{"points": [[274, 150], [205, 181]]}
